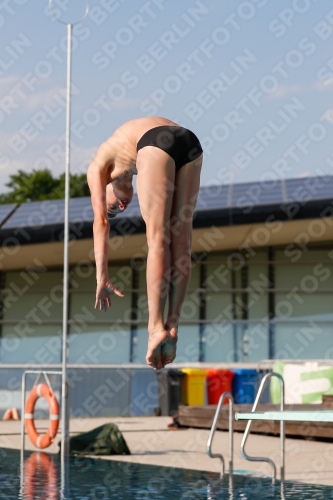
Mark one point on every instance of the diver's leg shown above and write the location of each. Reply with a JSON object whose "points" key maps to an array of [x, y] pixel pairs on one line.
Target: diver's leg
{"points": [[187, 184], [155, 187]]}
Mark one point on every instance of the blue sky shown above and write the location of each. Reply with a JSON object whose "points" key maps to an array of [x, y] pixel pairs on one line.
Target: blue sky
{"points": [[253, 79]]}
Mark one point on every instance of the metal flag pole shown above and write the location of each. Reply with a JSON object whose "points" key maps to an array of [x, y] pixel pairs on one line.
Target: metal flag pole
{"points": [[64, 385]]}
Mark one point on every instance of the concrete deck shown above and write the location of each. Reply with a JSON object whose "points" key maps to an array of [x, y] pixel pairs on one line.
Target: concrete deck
{"points": [[152, 442]]}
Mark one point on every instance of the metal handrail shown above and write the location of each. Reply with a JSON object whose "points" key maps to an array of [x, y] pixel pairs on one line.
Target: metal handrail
{"points": [[231, 432], [282, 428]]}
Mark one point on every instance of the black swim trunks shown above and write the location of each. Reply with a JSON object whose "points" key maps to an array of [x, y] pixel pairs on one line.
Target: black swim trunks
{"points": [[179, 142]]}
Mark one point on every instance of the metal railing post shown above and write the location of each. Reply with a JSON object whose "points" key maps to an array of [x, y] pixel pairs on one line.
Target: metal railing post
{"points": [[231, 432], [22, 411], [282, 428], [64, 385], [22, 437]]}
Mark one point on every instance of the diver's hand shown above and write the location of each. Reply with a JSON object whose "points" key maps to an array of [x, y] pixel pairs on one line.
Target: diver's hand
{"points": [[103, 295]]}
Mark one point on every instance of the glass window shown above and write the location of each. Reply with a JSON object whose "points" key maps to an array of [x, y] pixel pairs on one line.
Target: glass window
{"points": [[82, 306], [300, 305], [121, 276], [195, 277], [33, 280], [23, 300], [308, 278], [140, 348], [257, 255], [258, 283], [219, 306], [142, 276], [257, 305], [294, 253], [219, 343], [256, 342], [32, 299], [188, 343], [82, 302], [303, 341], [308, 275], [256, 335], [35, 307], [20, 345], [218, 273], [83, 276], [142, 309], [250, 344], [100, 344], [190, 309]]}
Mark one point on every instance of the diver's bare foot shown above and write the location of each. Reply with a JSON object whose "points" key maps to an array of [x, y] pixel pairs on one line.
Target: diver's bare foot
{"points": [[168, 349], [156, 340]]}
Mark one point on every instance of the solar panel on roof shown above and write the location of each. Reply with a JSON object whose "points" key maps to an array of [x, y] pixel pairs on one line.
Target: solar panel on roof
{"points": [[51, 212], [80, 210], [209, 197], [257, 193], [309, 188], [37, 213], [213, 197], [5, 211]]}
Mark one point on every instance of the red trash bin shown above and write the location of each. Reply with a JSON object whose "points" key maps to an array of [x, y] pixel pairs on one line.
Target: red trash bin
{"points": [[218, 382]]}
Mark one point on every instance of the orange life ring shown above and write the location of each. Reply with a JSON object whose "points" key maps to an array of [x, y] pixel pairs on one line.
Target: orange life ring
{"points": [[41, 390], [37, 468]]}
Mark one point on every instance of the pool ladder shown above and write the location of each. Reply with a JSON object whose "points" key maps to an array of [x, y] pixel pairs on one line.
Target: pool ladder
{"points": [[282, 428], [247, 430], [231, 432]]}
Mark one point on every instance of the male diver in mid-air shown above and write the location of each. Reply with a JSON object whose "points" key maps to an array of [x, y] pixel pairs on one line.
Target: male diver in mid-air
{"points": [[167, 160]]}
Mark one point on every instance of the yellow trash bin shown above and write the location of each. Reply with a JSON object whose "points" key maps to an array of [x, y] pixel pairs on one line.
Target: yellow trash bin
{"points": [[193, 393]]}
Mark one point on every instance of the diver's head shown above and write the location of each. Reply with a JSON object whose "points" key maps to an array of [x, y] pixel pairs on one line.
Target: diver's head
{"points": [[118, 197]]}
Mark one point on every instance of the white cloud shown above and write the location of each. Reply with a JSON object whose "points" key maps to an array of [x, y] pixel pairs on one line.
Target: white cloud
{"points": [[284, 90], [8, 82], [38, 100], [81, 157], [303, 174], [323, 84], [33, 156]]}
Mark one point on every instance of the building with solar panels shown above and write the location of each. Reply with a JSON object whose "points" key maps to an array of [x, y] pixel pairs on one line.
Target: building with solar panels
{"points": [[261, 285]]}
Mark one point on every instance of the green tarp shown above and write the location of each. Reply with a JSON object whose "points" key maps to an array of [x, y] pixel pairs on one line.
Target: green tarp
{"points": [[104, 440]]}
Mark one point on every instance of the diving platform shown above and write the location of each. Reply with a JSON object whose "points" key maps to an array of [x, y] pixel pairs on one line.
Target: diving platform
{"points": [[288, 415], [299, 423]]}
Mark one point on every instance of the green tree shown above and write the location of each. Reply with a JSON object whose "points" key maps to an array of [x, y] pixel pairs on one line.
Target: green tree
{"points": [[40, 185], [78, 185]]}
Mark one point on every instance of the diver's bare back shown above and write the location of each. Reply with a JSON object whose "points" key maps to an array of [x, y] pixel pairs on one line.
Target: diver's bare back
{"points": [[124, 140]]}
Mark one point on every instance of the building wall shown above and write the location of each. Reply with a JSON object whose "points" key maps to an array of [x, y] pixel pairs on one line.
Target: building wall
{"points": [[269, 303]]}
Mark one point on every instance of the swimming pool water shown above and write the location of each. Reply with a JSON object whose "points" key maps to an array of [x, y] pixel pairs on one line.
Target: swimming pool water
{"points": [[96, 479]]}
